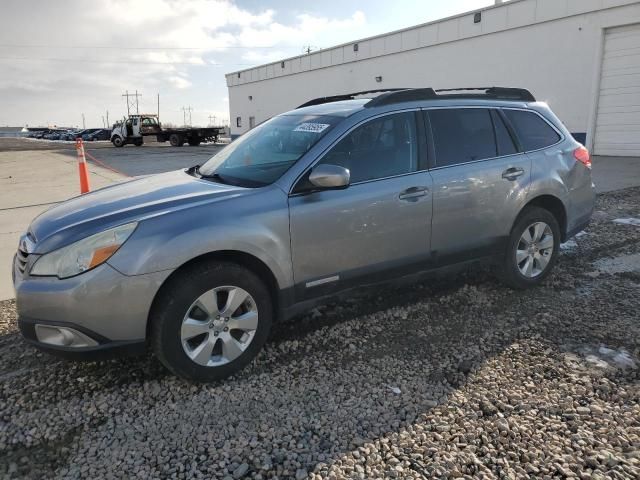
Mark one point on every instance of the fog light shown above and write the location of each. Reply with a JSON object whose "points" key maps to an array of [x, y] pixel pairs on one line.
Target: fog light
{"points": [[63, 337]]}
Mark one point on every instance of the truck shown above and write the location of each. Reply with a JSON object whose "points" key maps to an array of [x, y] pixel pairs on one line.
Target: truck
{"points": [[134, 128]]}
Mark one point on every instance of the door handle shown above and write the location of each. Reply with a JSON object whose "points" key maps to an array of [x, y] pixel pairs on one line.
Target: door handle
{"points": [[413, 193], [512, 173]]}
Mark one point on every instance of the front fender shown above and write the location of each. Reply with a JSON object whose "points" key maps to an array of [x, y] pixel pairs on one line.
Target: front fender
{"points": [[258, 228]]}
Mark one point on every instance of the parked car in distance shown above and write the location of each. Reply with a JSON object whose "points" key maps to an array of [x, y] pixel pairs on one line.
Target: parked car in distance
{"points": [[100, 134], [70, 135], [344, 191], [52, 135]]}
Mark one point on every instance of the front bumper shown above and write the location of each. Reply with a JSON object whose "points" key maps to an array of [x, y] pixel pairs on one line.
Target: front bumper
{"points": [[89, 315], [101, 348]]}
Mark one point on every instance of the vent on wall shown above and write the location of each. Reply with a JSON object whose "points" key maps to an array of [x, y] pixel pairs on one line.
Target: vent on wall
{"points": [[477, 18], [355, 47]]}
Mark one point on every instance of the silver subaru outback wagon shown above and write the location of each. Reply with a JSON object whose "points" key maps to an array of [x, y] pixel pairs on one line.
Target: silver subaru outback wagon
{"points": [[346, 190]]}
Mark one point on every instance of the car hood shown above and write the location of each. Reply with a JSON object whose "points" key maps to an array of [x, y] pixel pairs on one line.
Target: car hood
{"points": [[122, 203]]}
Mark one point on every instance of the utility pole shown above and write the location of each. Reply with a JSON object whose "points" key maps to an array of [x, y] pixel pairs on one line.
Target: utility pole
{"points": [[212, 122], [131, 99], [158, 108], [107, 118], [184, 114], [83, 125]]}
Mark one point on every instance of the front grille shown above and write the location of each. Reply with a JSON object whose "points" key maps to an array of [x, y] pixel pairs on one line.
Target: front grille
{"points": [[21, 258]]}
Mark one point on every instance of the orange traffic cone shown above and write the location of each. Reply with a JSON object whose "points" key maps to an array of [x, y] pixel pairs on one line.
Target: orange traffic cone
{"points": [[82, 167]]}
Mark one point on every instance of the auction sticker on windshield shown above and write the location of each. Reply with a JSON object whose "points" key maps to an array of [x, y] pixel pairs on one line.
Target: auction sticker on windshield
{"points": [[312, 127]]}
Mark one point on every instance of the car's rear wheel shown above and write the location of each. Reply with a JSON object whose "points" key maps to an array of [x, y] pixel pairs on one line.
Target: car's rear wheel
{"points": [[210, 321], [532, 250]]}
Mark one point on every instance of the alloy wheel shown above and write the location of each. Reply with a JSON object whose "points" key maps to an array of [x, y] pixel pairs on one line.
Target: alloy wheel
{"points": [[535, 249], [219, 326]]}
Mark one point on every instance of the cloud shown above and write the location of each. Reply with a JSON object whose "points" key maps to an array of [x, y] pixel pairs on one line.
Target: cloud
{"points": [[308, 29], [179, 82], [78, 59]]}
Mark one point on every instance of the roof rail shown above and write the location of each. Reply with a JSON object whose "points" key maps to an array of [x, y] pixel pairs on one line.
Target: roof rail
{"points": [[416, 94], [346, 96], [404, 95], [498, 93], [390, 96]]}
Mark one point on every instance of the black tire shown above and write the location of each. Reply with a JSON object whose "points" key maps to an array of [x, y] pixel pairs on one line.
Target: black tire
{"points": [[175, 300], [138, 142], [194, 141], [508, 270], [176, 140], [117, 141]]}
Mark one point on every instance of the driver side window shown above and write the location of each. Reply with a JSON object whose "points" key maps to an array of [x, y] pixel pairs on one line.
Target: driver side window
{"points": [[382, 147]]}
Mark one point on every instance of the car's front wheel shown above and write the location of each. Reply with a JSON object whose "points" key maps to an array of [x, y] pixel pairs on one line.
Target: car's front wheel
{"points": [[210, 321], [532, 249]]}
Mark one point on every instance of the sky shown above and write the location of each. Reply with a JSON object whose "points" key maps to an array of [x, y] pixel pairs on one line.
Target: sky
{"points": [[60, 60]]}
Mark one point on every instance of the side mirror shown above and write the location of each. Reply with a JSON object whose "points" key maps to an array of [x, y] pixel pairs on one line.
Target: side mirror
{"points": [[330, 177]]}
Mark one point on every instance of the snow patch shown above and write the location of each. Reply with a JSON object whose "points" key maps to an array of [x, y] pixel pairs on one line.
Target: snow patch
{"points": [[622, 264], [628, 221], [602, 357]]}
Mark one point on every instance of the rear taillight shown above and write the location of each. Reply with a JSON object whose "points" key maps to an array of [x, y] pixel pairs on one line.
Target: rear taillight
{"points": [[582, 155]]}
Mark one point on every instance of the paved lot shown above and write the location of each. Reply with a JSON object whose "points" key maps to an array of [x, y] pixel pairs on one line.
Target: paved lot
{"points": [[616, 173], [30, 182], [448, 378], [152, 157]]}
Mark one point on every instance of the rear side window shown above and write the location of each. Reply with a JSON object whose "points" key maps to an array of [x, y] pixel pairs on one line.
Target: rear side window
{"points": [[462, 135], [532, 131]]}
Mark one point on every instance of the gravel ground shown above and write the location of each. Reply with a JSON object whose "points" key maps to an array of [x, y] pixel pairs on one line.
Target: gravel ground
{"points": [[455, 377]]}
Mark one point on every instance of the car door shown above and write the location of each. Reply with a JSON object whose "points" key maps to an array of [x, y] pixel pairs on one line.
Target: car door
{"points": [[480, 182], [380, 223]]}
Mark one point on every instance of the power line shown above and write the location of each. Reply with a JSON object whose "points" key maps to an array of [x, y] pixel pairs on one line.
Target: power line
{"points": [[107, 47], [127, 62]]}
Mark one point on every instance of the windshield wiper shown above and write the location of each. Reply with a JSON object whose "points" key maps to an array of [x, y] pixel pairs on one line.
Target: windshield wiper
{"points": [[193, 170], [214, 176]]}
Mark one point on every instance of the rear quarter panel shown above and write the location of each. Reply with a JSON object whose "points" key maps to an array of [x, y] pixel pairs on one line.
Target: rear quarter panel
{"points": [[556, 172]]}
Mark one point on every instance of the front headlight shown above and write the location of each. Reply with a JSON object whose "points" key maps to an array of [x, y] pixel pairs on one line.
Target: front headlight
{"points": [[84, 254]]}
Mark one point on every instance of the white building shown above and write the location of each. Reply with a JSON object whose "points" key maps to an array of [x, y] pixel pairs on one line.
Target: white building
{"points": [[580, 56]]}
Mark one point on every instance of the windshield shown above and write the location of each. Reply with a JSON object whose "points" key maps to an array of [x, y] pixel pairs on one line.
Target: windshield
{"points": [[263, 154]]}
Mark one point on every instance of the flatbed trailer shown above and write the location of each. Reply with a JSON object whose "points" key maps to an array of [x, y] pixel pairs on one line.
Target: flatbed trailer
{"points": [[134, 128], [193, 136]]}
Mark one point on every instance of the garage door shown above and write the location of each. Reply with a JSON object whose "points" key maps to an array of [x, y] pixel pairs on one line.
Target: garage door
{"points": [[618, 119]]}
